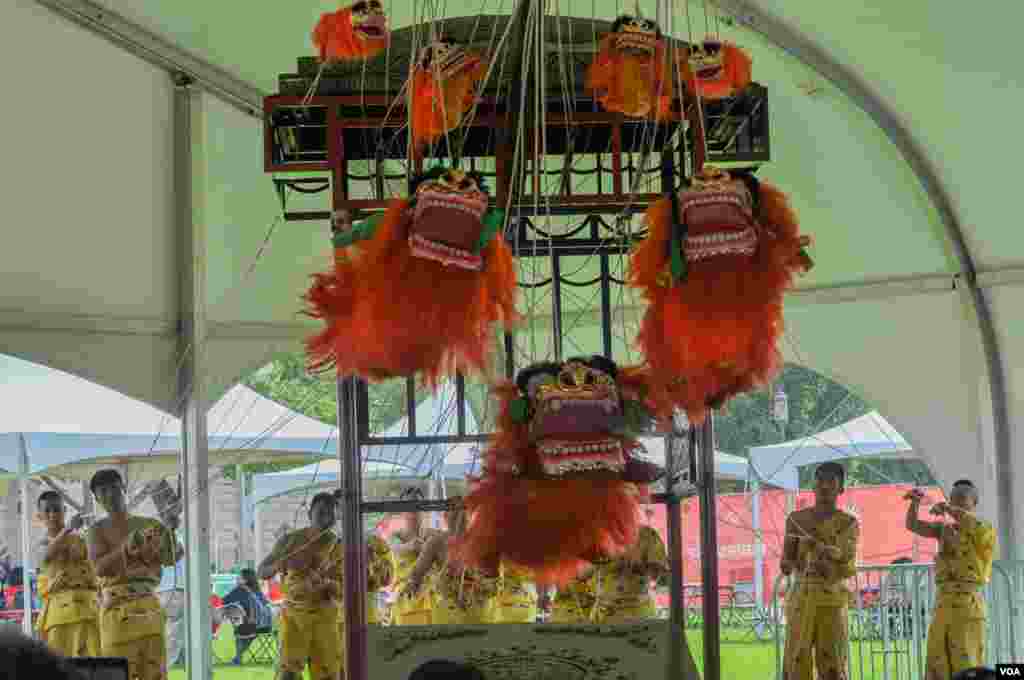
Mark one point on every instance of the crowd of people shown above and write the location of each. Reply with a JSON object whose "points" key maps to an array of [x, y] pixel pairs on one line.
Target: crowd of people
{"points": [[99, 591]]}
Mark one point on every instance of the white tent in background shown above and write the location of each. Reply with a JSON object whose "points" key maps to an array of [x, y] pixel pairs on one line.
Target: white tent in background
{"points": [[866, 435]]}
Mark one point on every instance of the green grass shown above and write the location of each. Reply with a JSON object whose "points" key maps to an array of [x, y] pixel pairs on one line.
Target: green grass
{"points": [[743, 658]]}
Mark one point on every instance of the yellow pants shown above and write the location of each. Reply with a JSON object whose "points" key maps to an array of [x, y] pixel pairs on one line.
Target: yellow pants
{"points": [[134, 630], [447, 614], [816, 622], [147, 657], [312, 634], [513, 610], [74, 639], [632, 612], [414, 611], [956, 636]]}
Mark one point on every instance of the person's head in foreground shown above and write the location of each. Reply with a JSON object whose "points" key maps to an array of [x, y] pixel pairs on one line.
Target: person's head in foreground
{"points": [[977, 673], [964, 495], [445, 669], [829, 482], [22, 657]]}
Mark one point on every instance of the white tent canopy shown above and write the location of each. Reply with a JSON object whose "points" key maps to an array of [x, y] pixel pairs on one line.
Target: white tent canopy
{"points": [[72, 428], [866, 435]]}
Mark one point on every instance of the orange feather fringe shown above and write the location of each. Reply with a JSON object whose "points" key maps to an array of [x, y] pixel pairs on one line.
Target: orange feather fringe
{"points": [[554, 527], [336, 41], [438, 106], [736, 74], [631, 85], [714, 335], [390, 314]]}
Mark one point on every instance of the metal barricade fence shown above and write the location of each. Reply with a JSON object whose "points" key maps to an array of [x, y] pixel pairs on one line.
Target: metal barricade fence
{"points": [[891, 610]]}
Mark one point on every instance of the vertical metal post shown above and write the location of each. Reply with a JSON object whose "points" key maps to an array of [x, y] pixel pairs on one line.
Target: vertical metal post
{"points": [[243, 515], [755, 523], [709, 550], [676, 612], [556, 305], [606, 310], [26, 536], [190, 188], [356, 663]]}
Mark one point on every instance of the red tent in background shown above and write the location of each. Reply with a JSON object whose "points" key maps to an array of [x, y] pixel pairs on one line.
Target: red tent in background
{"points": [[880, 509]]}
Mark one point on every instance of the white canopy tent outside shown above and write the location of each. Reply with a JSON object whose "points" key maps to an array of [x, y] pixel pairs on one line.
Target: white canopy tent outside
{"points": [[913, 303]]}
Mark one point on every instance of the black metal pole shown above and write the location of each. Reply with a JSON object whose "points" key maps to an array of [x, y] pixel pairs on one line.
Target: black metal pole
{"points": [[356, 662], [676, 611], [709, 550]]}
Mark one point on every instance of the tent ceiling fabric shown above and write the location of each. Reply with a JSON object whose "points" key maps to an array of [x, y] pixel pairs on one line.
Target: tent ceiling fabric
{"points": [[99, 300]]}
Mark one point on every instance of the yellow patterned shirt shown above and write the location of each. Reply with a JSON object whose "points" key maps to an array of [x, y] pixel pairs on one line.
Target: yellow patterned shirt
{"points": [[579, 595], [139, 577], [380, 564], [304, 589], [68, 586], [624, 587], [827, 586], [966, 552]]}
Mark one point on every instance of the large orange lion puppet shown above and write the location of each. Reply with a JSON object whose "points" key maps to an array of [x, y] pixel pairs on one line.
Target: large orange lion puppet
{"points": [[444, 87], [717, 259], [356, 32], [631, 73], [422, 289], [715, 69], [561, 484]]}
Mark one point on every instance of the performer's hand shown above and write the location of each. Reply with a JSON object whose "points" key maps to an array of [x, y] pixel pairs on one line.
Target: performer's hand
{"points": [[914, 495], [830, 551], [939, 508]]}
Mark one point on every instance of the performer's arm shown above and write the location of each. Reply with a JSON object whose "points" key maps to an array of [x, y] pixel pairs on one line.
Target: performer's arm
{"points": [[272, 564], [657, 558], [109, 561], [790, 547], [431, 553], [914, 524]]}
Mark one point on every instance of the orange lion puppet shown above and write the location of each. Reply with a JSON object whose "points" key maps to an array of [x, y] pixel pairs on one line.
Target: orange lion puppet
{"points": [[444, 87], [356, 32], [422, 289], [715, 69], [561, 484], [631, 74], [717, 259]]}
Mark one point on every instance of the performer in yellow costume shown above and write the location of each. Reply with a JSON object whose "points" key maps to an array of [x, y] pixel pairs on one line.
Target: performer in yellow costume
{"points": [[380, 571], [963, 565], [415, 603], [311, 561], [461, 594], [516, 598], [128, 553], [69, 622], [576, 602], [820, 551], [624, 594]]}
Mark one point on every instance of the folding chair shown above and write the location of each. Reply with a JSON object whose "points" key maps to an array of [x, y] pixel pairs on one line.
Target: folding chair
{"points": [[263, 645]]}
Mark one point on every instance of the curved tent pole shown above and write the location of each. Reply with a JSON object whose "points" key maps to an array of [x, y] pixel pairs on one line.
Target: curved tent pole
{"points": [[787, 36]]}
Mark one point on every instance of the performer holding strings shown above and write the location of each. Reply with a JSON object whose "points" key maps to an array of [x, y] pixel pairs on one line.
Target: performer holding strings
{"points": [[461, 593], [415, 601], [963, 565], [624, 594], [312, 563], [128, 553], [69, 622], [820, 550]]}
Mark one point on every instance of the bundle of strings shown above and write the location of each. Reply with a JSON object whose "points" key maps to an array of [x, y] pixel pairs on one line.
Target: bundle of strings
{"points": [[388, 313], [553, 527], [714, 334], [440, 102], [634, 85]]}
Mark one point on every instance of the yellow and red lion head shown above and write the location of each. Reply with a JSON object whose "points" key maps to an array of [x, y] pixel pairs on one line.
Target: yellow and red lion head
{"points": [[631, 74], [355, 32], [562, 484], [718, 258], [444, 87], [425, 291]]}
